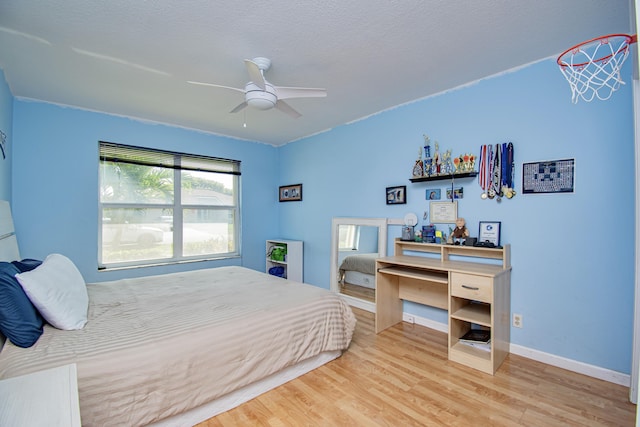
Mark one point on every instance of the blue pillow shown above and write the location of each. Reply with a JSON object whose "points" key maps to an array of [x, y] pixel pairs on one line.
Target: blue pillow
{"points": [[26, 264], [20, 322]]}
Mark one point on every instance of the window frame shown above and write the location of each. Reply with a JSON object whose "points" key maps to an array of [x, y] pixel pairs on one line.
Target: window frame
{"points": [[109, 152]]}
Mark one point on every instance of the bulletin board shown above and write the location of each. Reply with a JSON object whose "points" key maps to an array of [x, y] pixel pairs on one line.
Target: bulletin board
{"points": [[554, 176]]}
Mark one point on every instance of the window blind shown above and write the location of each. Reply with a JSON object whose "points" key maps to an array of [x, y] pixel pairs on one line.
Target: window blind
{"points": [[111, 152]]}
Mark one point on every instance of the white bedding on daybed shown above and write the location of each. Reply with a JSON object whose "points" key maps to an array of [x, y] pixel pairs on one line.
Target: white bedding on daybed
{"points": [[158, 346]]}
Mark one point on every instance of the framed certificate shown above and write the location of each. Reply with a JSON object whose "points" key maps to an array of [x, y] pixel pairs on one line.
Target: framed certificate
{"points": [[443, 212], [489, 232]]}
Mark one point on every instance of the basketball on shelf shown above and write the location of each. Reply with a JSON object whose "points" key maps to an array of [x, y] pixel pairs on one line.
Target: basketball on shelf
{"points": [[592, 68]]}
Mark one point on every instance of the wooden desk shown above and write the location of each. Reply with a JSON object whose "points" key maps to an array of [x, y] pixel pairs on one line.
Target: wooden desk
{"points": [[452, 279]]}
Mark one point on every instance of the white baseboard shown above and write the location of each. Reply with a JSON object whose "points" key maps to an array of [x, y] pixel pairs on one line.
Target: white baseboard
{"points": [[572, 365], [431, 324], [540, 356]]}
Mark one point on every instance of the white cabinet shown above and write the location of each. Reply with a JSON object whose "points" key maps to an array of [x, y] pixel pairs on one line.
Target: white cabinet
{"points": [[284, 258]]}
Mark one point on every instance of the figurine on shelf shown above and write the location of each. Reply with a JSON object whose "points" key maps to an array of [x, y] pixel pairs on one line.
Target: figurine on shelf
{"points": [[427, 147], [418, 167], [459, 233], [446, 160], [436, 160], [427, 156]]}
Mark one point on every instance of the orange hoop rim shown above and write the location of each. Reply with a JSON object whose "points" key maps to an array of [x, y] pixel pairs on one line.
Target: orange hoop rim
{"points": [[630, 40]]}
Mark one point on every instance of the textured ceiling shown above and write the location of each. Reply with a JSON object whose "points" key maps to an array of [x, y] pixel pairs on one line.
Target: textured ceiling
{"points": [[134, 58]]}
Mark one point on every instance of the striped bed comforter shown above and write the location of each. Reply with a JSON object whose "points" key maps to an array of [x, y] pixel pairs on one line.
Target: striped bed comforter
{"points": [[160, 345]]}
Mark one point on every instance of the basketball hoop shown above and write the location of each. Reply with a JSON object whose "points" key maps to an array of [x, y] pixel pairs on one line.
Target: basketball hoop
{"points": [[592, 68]]}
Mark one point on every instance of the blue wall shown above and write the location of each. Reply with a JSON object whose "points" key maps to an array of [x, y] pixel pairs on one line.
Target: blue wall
{"points": [[572, 254], [6, 119], [55, 183]]}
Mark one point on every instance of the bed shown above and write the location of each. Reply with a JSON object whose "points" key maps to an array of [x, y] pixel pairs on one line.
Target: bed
{"points": [[176, 349], [359, 269]]}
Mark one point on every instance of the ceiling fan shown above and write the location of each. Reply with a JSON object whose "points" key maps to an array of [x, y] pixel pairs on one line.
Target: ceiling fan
{"points": [[261, 94]]}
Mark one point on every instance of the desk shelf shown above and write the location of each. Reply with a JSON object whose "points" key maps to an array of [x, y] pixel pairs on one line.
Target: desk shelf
{"points": [[477, 313], [469, 355], [415, 273]]}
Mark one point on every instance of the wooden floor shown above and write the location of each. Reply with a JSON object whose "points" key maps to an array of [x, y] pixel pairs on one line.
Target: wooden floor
{"points": [[360, 292], [401, 377]]}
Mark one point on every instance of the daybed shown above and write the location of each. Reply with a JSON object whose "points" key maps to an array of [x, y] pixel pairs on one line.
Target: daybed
{"points": [[179, 348]]}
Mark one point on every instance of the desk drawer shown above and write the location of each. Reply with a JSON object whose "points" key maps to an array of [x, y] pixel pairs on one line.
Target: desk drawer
{"points": [[472, 287]]}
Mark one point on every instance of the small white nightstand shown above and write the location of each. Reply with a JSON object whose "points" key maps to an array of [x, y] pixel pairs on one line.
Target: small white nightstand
{"points": [[45, 398]]}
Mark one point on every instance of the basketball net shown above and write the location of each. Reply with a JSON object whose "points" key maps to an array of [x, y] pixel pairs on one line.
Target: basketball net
{"points": [[592, 68]]}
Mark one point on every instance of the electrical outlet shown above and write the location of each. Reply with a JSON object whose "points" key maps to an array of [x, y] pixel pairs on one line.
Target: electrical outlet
{"points": [[410, 319], [517, 320]]}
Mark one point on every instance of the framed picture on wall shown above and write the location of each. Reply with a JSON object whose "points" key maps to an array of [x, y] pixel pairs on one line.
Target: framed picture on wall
{"points": [[443, 212], [433, 194], [290, 193], [553, 176], [489, 232], [397, 195]]}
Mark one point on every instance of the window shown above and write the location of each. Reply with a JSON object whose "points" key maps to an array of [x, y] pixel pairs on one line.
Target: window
{"points": [[161, 207], [348, 237]]}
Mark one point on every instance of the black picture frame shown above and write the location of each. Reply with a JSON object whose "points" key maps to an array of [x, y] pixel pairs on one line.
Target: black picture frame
{"points": [[489, 232], [396, 195], [553, 176], [290, 193]]}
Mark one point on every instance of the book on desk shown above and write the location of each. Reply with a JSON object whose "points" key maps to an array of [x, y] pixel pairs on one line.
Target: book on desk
{"points": [[477, 338]]}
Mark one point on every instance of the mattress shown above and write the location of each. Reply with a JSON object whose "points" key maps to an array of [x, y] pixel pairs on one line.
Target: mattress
{"points": [[158, 346]]}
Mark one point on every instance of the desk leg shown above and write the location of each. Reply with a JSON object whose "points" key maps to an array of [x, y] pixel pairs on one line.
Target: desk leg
{"points": [[388, 302]]}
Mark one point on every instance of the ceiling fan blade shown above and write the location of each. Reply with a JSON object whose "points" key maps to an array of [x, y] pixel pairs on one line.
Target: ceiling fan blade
{"points": [[286, 108], [214, 85], [239, 107], [255, 74], [299, 92]]}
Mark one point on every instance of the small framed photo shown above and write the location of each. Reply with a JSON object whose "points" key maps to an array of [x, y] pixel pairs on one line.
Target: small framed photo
{"points": [[432, 194], [489, 232], [397, 195], [458, 193], [291, 193]]}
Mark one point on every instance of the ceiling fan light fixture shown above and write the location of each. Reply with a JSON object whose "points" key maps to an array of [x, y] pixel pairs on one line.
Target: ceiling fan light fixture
{"points": [[260, 99], [261, 103]]}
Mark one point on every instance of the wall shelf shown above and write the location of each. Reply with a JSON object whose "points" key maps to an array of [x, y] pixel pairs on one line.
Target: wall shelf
{"points": [[444, 177]]}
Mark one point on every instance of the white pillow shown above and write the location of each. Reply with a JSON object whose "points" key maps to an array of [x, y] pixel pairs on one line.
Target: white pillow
{"points": [[56, 288]]}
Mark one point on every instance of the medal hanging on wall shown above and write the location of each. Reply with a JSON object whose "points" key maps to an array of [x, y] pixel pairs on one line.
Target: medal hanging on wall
{"points": [[497, 171], [496, 175], [508, 188], [485, 169]]}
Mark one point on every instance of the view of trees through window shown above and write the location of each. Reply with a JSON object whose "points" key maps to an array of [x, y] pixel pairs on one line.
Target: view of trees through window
{"points": [[153, 213]]}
